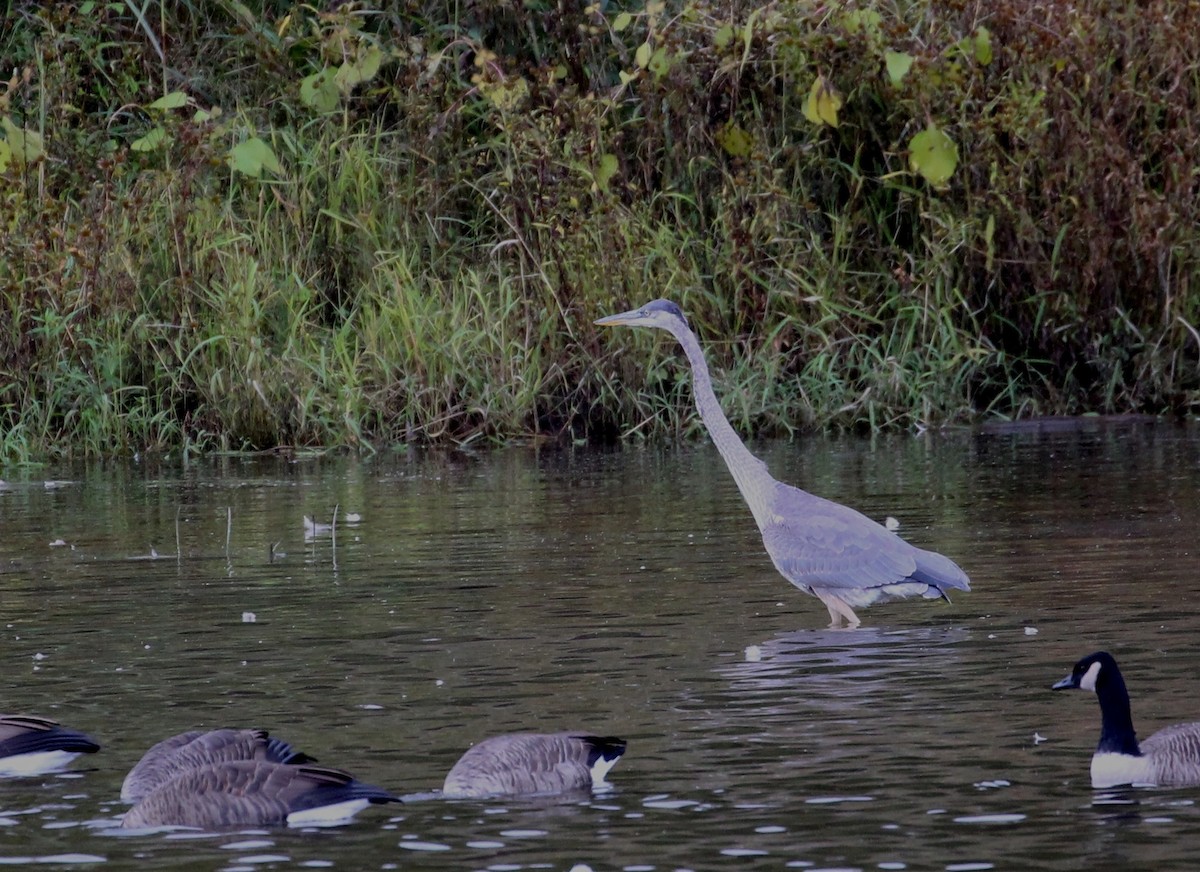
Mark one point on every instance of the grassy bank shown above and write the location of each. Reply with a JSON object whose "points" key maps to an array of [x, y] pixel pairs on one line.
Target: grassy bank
{"points": [[240, 225]]}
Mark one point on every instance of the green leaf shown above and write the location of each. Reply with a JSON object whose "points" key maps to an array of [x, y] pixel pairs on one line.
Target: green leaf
{"points": [[622, 21], [660, 62], [735, 140], [863, 19], [989, 237], [152, 140], [353, 73], [626, 78], [174, 100], [320, 91], [642, 56], [983, 45], [201, 116], [252, 157], [25, 146], [934, 155], [606, 170], [898, 65], [823, 103], [723, 36]]}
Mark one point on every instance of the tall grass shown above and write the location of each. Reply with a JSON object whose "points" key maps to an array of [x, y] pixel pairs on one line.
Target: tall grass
{"points": [[427, 260]]}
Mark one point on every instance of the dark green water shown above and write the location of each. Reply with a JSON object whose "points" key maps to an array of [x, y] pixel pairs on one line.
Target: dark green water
{"points": [[624, 592]]}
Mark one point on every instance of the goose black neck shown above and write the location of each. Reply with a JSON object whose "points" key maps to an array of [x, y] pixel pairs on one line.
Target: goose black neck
{"points": [[1117, 735]]}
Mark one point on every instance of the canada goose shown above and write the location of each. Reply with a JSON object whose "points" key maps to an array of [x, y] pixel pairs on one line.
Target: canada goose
{"points": [[33, 746], [531, 763], [1169, 757], [199, 748], [254, 793]]}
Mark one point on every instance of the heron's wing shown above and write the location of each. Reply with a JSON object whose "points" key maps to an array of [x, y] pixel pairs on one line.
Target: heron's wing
{"points": [[818, 543]]}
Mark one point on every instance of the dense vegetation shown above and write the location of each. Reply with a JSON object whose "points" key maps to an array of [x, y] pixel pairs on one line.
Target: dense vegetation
{"points": [[248, 225]]}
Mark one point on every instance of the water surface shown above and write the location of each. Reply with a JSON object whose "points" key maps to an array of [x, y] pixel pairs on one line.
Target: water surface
{"points": [[626, 592]]}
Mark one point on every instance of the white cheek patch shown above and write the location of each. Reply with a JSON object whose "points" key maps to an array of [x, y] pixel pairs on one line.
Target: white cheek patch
{"points": [[1088, 682], [600, 770]]}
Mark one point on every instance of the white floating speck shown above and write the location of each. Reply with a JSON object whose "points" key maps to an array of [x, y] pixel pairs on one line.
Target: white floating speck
{"points": [[1031, 631], [39, 656], [352, 517], [990, 819], [891, 523], [832, 800], [669, 804], [1038, 738], [249, 617], [424, 846], [438, 682], [248, 845], [57, 543], [753, 654]]}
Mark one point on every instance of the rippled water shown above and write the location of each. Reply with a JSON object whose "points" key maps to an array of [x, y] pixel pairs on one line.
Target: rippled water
{"points": [[624, 592]]}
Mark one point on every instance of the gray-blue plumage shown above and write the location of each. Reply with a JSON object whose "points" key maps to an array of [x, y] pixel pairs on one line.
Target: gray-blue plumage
{"points": [[824, 548]]}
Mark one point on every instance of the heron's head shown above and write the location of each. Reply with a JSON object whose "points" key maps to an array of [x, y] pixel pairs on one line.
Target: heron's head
{"points": [[658, 313]]}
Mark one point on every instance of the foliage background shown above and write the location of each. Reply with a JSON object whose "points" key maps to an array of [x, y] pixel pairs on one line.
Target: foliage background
{"points": [[232, 225]]}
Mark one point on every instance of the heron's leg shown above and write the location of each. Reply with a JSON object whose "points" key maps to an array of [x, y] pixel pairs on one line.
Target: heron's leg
{"points": [[838, 609]]}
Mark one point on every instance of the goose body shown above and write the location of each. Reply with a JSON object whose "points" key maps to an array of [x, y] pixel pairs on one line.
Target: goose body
{"points": [[31, 745], [197, 748], [254, 793], [824, 548], [1170, 757], [530, 764]]}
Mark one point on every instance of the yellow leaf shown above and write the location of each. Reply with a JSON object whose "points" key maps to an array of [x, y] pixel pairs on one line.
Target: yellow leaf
{"points": [[735, 140], [642, 56], [823, 103], [622, 21]]}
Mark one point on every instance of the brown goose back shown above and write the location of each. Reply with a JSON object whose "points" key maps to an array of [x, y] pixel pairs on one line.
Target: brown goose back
{"points": [[516, 764], [196, 748], [248, 793]]}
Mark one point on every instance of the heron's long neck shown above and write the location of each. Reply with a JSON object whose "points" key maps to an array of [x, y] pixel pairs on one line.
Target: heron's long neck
{"points": [[749, 472]]}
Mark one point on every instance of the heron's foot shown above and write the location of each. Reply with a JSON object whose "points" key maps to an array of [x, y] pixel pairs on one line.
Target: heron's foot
{"points": [[839, 610]]}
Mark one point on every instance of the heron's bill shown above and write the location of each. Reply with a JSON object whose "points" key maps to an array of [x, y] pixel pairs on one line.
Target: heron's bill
{"points": [[614, 320]]}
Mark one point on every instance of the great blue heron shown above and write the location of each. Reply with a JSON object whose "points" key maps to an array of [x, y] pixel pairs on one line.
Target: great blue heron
{"points": [[824, 548]]}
